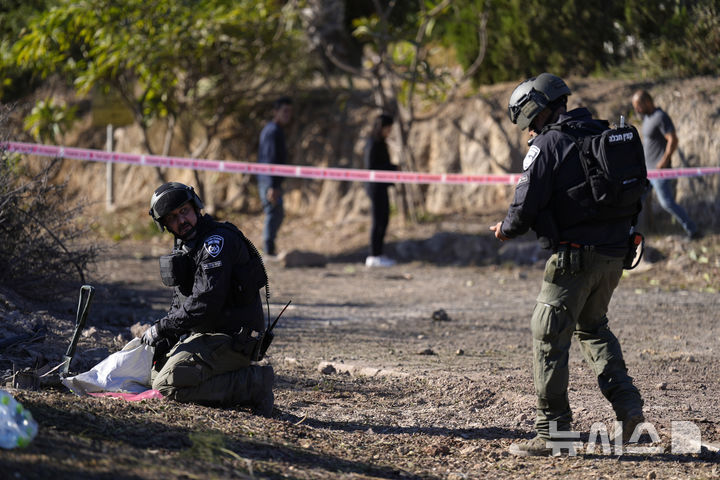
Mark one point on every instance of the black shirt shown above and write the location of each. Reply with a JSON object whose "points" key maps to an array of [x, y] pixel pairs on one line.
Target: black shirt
{"points": [[210, 301], [550, 168]]}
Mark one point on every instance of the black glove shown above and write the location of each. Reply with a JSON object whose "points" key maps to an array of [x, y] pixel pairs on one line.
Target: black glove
{"points": [[151, 336]]}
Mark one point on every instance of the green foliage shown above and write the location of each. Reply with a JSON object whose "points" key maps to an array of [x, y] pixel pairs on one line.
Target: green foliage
{"points": [[528, 37], [167, 57], [525, 37], [686, 43], [16, 80], [48, 121], [404, 41]]}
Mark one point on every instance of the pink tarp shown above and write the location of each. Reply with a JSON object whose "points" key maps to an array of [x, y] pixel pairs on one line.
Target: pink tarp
{"points": [[130, 397]]}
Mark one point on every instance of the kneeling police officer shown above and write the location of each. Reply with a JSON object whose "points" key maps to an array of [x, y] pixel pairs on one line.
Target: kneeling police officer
{"points": [[206, 344], [577, 288]]}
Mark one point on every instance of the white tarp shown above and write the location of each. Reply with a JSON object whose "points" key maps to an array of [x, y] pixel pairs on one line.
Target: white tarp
{"points": [[125, 371]]}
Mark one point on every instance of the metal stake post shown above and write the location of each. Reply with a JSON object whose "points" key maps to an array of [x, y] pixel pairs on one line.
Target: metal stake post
{"points": [[109, 198]]}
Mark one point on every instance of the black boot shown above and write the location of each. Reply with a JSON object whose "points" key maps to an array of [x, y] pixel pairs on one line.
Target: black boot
{"points": [[261, 392]]}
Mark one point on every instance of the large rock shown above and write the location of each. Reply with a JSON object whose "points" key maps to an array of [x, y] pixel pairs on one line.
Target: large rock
{"points": [[299, 258]]}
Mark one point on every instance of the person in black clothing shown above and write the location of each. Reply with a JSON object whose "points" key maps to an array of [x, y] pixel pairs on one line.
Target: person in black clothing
{"points": [[206, 344], [581, 274], [377, 157]]}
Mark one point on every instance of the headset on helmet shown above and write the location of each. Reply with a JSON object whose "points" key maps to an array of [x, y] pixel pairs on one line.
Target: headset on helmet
{"points": [[170, 196], [533, 95]]}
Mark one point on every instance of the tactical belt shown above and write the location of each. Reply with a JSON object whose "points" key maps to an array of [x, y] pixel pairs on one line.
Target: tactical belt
{"points": [[574, 245], [569, 256]]}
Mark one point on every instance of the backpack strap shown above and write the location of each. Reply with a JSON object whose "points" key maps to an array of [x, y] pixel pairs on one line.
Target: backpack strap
{"points": [[582, 141]]}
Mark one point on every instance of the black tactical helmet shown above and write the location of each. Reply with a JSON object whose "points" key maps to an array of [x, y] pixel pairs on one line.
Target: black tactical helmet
{"points": [[170, 196], [533, 95]]}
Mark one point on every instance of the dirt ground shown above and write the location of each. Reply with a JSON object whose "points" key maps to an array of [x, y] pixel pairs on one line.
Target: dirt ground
{"points": [[369, 385]]}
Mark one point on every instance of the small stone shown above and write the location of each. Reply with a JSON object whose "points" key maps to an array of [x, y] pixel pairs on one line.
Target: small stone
{"points": [[673, 370], [651, 476], [89, 332], [426, 351], [326, 368], [436, 450], [520, 419], [459, 352], [662, 386], [469, 450]]}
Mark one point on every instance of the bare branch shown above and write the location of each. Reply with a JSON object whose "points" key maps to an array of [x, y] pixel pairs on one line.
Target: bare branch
{"points": [[39, 235], [328, 51], [482, 41]]}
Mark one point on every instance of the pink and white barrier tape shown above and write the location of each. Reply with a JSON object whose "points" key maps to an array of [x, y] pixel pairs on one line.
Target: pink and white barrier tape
{"points": [[347, 174]]}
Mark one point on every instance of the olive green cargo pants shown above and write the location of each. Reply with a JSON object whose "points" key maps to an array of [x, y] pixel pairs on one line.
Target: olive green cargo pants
{"points": [[577, 304], [207, 368]]}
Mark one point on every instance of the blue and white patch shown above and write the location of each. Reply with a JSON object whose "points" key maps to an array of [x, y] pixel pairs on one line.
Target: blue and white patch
{"points": [[530, 157], [214, 245]]}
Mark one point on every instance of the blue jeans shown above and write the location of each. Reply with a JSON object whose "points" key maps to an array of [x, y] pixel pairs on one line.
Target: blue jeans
{"points": [[665, 192], [274, 214]]}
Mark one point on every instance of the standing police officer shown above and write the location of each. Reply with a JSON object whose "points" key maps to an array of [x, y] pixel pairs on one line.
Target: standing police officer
{"points": [[574, 298], [212, 332]]}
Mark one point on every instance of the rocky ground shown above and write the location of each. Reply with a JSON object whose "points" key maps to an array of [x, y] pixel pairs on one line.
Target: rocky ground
{"points": [[369, 384]]}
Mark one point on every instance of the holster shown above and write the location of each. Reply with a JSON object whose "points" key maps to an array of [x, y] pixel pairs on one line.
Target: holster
{"points": [[569, 258], [248, 343], [162, 347], [175, 269], [635, 240]]}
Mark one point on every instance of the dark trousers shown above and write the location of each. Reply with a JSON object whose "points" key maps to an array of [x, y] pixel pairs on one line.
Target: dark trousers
{"points": [[380, 217]]}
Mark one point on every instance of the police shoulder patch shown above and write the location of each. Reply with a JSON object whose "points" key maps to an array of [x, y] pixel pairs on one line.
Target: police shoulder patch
{"points": [[530, 157], [214, 245]]}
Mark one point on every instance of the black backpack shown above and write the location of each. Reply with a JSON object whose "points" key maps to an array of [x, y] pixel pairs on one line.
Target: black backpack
{"points": [[615, 172]]}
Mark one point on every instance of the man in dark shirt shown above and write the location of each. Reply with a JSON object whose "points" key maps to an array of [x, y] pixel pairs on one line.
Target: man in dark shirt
{"points": [[574, 298], [206, 344], [273, 150]]}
